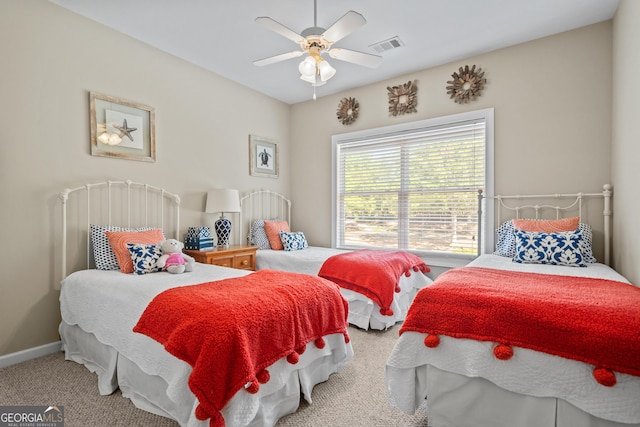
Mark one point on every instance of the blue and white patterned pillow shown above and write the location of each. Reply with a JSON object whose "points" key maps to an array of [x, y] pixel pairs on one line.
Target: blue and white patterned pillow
{"points": [[144, 257], [506, 245], [561, 248], [103, 255], [585, 243], [258, 236], [293, 241]]}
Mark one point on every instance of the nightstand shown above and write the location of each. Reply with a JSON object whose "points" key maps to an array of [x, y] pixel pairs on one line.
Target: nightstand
{"points": [[242, 257]]}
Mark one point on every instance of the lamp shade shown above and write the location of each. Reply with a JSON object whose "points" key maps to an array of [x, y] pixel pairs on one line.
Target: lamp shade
{"points": [[307, 67], [222, 200], [326, 71], [308, 79]]}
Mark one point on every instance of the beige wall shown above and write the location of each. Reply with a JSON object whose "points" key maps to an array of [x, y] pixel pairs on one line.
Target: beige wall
{"points": [[51, 59], [552, 101], [625, 152]]}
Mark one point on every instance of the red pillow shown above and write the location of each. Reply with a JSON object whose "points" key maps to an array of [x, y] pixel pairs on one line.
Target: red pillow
{"points": [[273, 228], [547, 225], [119, 239]]}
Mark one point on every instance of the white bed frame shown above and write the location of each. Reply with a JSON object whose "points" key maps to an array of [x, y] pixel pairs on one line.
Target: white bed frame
{"points": [[126, 204], [262, 204], [516, 206]]}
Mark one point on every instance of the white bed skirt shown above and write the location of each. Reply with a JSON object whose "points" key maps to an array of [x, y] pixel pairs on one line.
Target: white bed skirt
{"points": [[363, 312], [461, 401], [275, 399]]}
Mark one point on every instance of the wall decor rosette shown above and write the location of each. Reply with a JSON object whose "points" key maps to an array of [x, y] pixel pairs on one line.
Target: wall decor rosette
{"points": [[467, 84], [403, 98], [348, 110]]}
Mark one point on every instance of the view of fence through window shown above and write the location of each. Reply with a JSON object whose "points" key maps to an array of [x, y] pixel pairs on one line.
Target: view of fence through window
{"points": [[413, 192]]}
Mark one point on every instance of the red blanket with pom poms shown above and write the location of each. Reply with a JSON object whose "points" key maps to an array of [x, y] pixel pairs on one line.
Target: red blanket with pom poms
{"points": [[372, 273], [595, 321], [231, 330]]}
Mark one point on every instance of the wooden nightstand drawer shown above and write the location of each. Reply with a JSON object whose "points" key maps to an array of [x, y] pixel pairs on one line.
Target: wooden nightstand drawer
{"points": [[241, 257], [223, 262], [244, 262]]}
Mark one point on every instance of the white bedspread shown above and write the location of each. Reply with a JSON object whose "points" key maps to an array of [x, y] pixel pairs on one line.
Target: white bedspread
{"points": [[308, 261], [108, 304], [527, 372], [363, 312]]}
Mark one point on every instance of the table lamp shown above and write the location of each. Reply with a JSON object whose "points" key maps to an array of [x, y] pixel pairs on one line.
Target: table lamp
{"points": [[222, 200]]}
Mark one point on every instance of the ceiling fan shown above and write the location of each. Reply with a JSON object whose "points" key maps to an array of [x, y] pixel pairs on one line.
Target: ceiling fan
{"points": [[316, 41]]}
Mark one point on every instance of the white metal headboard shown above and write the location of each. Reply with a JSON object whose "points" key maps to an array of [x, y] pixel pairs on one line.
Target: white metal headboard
{"points": [[518, 205], [263, 204], [122, 203]]}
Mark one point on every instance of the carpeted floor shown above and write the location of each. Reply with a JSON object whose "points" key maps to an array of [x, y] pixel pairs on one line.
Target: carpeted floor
{"points": [[356, 396]]}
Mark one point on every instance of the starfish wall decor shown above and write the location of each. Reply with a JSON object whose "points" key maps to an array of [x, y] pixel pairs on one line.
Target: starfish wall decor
{"points": [[125, 130]]}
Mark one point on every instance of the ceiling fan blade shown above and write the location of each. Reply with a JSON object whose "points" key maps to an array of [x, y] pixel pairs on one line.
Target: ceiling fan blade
{"points": [[277, 27], [344, 26], [282, 57], [366, 59]]}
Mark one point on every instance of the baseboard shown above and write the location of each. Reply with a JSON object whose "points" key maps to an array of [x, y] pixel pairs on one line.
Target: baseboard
{"points": [[30, 353]]}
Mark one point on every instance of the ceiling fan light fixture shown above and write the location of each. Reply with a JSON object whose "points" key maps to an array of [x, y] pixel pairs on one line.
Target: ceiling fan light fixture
{"points": [[326, 70], [309, 79], [308, 67]]}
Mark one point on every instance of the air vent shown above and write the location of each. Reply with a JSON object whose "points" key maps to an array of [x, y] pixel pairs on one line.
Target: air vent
{"points": [[383, 46]]}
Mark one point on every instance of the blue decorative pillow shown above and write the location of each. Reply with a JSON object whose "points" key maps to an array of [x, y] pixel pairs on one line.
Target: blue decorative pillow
{"points": [[293, 241], [506, 245], [103, 256], [562, 248], [144, 257], [258, 236]]}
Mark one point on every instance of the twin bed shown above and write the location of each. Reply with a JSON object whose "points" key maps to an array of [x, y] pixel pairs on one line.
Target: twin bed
{"points": [[262, 353], [365, 312], [511, 341]]}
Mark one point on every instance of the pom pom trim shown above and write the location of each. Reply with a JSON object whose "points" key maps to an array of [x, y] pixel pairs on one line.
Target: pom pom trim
{"points": [[503, 352], [431, 341], [604, 376], [293, 358]]}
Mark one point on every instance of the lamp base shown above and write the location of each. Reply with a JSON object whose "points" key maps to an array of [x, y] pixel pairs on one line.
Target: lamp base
{"points": [[223, 230]]}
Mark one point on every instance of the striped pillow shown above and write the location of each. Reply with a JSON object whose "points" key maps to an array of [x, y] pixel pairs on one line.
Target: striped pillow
{"points": [[273, 229], [547, 225]]}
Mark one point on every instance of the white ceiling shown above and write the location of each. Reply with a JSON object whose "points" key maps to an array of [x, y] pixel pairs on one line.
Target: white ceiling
{"points": [[222, 36]]}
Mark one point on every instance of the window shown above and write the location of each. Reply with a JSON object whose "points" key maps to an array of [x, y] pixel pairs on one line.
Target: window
{"points": [[414, 186]]}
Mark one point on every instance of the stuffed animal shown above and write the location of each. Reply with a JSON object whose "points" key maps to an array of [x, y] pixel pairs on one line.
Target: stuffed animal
{"points": [[172, 258]]}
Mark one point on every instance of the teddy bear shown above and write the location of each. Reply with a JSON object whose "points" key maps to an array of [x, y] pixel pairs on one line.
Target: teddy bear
{"points": [[172, 258]]}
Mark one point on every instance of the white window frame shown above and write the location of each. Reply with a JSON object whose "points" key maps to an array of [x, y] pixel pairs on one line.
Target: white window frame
{"points": [[435, 259]]}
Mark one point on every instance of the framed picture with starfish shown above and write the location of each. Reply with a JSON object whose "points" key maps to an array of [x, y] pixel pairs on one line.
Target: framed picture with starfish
{"points": [[122, 129], [263, 157]]}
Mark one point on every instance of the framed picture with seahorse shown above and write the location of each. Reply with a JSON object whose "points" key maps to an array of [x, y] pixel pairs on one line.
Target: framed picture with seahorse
{"points": [[263, 157]]}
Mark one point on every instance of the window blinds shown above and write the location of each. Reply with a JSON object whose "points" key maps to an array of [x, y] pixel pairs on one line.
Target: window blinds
{"points": [[412, 190]]}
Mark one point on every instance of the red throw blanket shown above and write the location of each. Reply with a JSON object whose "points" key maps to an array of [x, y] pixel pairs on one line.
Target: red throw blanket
{"points": [[595, 321], [231, 330], [372, 273]]}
